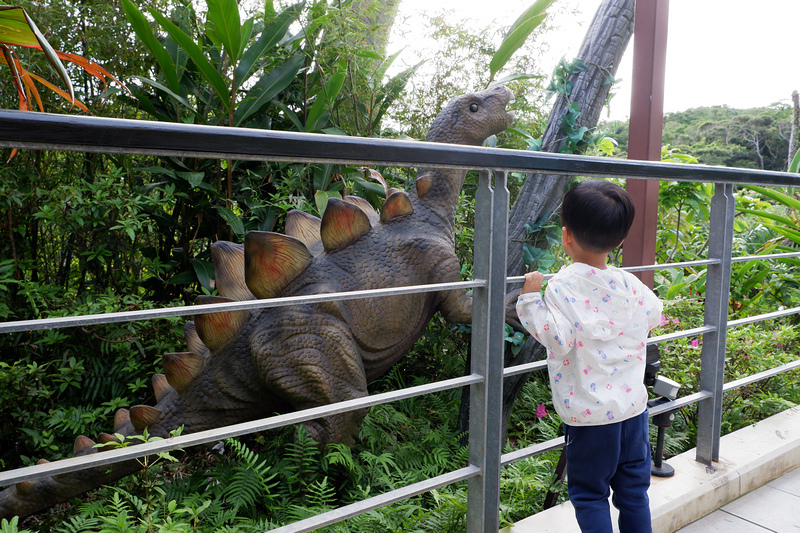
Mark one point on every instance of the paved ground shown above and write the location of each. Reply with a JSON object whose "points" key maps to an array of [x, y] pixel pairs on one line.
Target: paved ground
{"points": [[773, 507]]}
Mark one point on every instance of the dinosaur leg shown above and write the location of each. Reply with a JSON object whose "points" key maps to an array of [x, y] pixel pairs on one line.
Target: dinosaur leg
{"points": [[313, 367]]}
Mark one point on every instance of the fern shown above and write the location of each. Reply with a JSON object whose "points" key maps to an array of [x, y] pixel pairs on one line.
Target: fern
{"points": [[244, 489], [79, 524], [118, 519], [302, 457], [321, 494], [12, 526], [247, 483]]}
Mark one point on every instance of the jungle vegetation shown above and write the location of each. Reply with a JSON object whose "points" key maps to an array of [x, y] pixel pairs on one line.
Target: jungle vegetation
{"points": [[90, 233]]}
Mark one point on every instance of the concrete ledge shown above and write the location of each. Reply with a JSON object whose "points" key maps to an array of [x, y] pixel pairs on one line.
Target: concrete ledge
{"points": [[749, 458]]}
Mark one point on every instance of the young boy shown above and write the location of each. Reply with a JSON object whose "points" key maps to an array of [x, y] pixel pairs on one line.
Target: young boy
{"points": [[594, 322]]}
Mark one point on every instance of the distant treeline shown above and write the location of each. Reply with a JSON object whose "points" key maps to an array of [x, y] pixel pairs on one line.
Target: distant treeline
{"points": [[749, 138]]}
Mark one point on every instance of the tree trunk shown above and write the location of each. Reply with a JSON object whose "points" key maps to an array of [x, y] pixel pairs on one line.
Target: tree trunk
{"points": [[795, 127], [602, 48]]}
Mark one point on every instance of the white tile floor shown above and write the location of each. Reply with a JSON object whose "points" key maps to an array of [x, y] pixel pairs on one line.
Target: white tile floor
{"points": [[773, 507]]}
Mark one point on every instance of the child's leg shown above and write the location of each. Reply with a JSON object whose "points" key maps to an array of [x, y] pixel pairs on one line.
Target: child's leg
{"points": [[592, 453], [632, 479]]}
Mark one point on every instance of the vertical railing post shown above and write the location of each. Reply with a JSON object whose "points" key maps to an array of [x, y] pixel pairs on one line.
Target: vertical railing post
{"points": [[718, 282], [488, 337]]}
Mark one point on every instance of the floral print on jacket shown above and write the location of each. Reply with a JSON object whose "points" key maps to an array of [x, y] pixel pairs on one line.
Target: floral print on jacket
{"points": [[594, 323]]}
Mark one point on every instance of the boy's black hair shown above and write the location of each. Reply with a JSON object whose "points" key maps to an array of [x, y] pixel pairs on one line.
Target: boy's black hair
{"points": [[598, 213]]}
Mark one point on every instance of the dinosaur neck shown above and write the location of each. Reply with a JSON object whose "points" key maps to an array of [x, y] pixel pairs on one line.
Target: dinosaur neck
{"points": [[438, 202]]}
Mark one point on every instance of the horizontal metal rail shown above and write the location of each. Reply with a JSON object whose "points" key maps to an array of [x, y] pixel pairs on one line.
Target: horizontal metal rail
{"points": [[765, 316], [376, 502], [531, 451], [44, 131], [191, 310], [788, 367], [524, 368], [683, 401], [683, 264], [667, 266], [212, 435], [693, 332], [784, 255]]}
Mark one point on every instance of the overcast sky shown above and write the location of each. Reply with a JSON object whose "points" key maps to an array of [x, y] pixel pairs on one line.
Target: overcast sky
{"points": [[737, 53]]}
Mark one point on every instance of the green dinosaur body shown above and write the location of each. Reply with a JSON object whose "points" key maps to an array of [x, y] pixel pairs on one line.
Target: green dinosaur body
{"points": [[245, 365]]}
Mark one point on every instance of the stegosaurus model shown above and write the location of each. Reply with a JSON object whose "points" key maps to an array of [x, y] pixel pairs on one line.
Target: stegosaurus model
{"points": [[246, 365]]}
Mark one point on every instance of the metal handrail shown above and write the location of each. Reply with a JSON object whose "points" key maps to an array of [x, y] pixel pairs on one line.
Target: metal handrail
{"points": [[118, 455], [191, 310], [44, 131]]}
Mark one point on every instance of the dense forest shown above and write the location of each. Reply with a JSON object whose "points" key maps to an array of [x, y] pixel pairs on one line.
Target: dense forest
{"points": [[723, 136], [85, 233]]}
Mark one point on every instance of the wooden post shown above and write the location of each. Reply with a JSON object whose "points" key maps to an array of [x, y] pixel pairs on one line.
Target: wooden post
{"points": [[644, 137]]}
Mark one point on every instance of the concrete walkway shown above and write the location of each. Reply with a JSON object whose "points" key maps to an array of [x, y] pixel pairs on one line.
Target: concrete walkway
{"points": [[773, 507], [723, 497]]}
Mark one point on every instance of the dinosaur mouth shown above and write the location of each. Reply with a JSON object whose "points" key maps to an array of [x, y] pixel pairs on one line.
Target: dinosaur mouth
{"points": [[510, 100], [510, 116]]}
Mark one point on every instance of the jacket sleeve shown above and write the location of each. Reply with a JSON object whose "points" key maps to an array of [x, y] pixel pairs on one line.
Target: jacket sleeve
{"points": [[655, 308], [546, 322]]}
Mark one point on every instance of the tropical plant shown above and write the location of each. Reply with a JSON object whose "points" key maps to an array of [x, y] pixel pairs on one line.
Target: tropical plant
{"points": [[514, 39], [18, 29]]}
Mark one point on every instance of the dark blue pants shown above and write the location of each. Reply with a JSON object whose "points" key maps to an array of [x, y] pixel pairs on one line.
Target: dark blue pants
{"points": [[615, 456]]}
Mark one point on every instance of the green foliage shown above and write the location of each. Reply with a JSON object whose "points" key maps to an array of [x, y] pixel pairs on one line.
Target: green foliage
{"points": [[751, 349], [575, 139], [723, 136], [59, 384], [204, 74], [539, 252], [516, 36], [12, 526], [464, 63]]}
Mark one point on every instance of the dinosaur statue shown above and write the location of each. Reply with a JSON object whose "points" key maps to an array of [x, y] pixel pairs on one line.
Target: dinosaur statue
{"points": [[246, 365]]}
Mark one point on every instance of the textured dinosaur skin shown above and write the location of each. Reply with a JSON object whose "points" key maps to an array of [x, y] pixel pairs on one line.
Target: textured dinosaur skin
{"points": [[245, 365]]}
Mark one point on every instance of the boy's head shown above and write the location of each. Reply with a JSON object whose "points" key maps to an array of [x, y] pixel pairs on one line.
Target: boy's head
{"points": [[598, 214]]}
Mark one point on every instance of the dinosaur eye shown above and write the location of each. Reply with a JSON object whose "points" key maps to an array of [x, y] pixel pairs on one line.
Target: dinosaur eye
{"points": [[473, 107]]}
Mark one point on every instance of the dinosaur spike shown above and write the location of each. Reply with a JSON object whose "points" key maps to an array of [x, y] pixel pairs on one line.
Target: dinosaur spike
{"points": [[24, 487], [342, 224], [272, 261], [361, 203], [82, 444], [161, 386], [121, 419], [228, 261], [217, 329], [391, 191], [193, 340], [423, 183], [143, 416], [181, 368], [109, 441], [305, 228], [397, 205], [42, 462], [105, 438]]}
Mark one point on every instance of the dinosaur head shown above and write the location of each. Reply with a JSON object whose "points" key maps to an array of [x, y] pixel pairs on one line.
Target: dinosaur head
{"points": [[471, 118]]}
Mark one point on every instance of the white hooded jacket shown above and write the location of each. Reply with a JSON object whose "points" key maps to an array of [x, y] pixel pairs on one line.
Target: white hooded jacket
{"points": [[594, 323]]}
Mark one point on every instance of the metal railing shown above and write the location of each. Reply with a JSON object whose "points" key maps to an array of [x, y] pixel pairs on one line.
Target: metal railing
{"points": [[485, 378]]}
